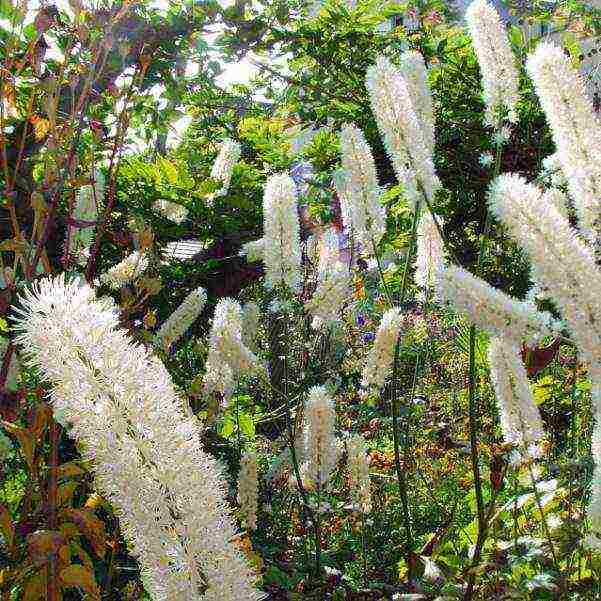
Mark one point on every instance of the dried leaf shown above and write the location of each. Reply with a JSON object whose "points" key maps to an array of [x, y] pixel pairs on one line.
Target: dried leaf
{"points": [[80, 577], [43, 545], [89, 526], [41, 127], [6, 525], [35, 587]]}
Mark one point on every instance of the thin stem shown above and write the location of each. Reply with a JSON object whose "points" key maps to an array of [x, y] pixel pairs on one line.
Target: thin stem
{"points": [[543, 517], [397, 455], [52, 578], [473, 412], [381, 272], [473, 424], [299, 481], [364, 550]]}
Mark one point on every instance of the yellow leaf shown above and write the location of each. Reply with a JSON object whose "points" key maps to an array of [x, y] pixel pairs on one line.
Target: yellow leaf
{"points": [[79, 577], [94, 501], [41, 127]]}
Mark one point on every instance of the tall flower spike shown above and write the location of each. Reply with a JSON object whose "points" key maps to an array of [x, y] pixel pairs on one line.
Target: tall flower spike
{"points": [[561, 263], [320, 442], [251, 316], [576, 131], [171, 210], [430, 252], [281, 251], [81, 234], [145, 450], [126, 271], [228, 358], [248, 487], [500, 78], [253, 250], [491, 309], [520, 419], [593, 512], [333, 290], [363, 215], [414, 70], [182, 318], [401, 130], [223, 167], [381, 356], [358, 468]]}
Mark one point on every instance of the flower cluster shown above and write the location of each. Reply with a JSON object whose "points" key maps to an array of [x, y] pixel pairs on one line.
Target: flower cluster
{"points": [[248, 489], [250, 324], [281, 233], [401, 130], [182, 318], [321, 450], [362, 213], [491, 309], [430, 252], [228, 358], [144, 448], [562, 264], [253, 250], [229, 155], [500, 78], [332, 292], [520, 419], [171, 210], [358, 470], [575, 128], [413, 68], [85, 213], [593, 512], [126, 271], [380, 358]]}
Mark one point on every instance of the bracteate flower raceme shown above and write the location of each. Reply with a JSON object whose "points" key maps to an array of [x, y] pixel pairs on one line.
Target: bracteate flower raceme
{"points": [[576, 131], [520, 419], [143, 446], [281, 233], [363, 215], [500, 78], [182, 318], [491, 309], [401, 130], [229, 358]]}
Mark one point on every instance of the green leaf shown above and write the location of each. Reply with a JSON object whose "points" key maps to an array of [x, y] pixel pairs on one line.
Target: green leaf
{"points": [[227, 427], [247, 425]]}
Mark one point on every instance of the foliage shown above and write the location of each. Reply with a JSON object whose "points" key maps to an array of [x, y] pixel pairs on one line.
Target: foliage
{"points": [[107, 89]]}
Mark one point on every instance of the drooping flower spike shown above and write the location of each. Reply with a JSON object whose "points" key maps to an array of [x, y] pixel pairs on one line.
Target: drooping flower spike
{"points": [[182, 318], [576, 131], [491, 309], [520, 419]]}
